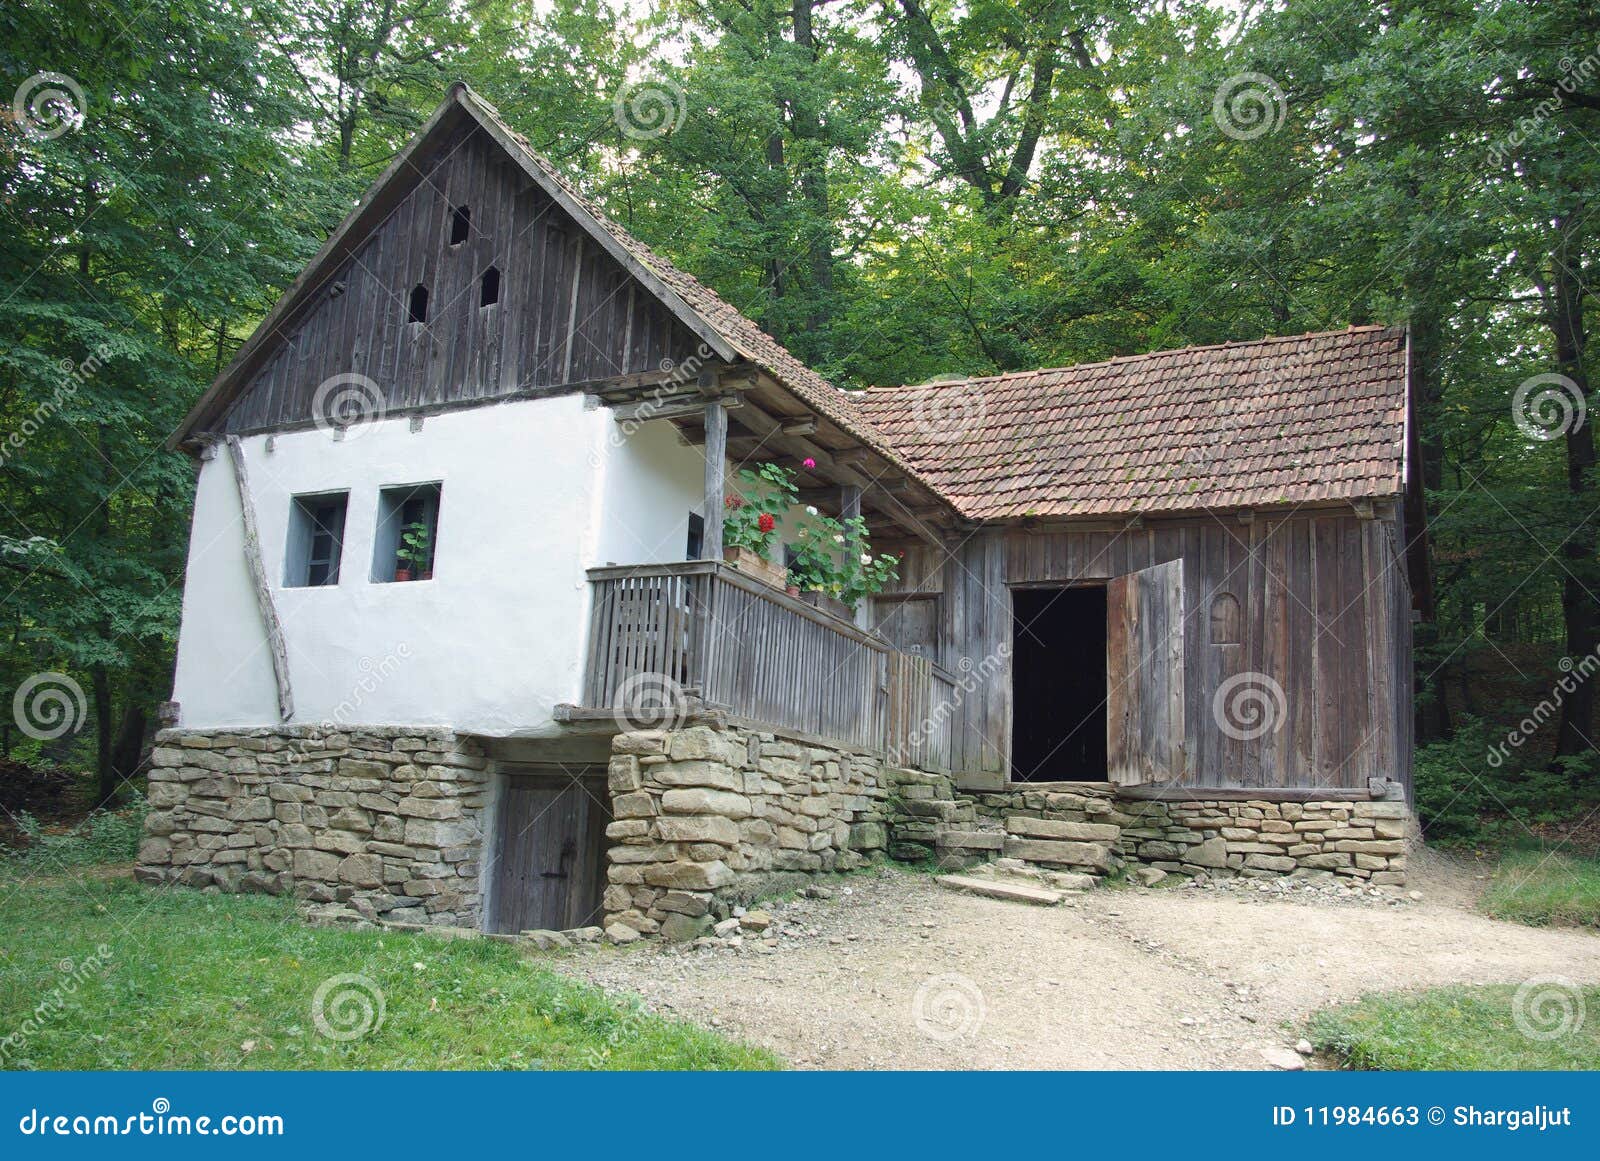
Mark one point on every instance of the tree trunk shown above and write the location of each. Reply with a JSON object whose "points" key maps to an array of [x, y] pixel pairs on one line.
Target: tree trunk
{"points": [[105, 771], [129, 748], [1564, 309]]}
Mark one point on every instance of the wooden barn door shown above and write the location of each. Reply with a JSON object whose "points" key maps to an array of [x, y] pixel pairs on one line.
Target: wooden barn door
{"points": [[550, 860], [1144, 676]]}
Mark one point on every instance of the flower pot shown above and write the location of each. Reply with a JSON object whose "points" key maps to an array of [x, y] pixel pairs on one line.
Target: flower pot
{"points": [[827, 604], [755, 565], [402, 574], [792, 590], [427, 574]]}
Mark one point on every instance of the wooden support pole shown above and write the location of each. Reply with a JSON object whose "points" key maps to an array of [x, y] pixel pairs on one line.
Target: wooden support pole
{"points": [[716, 450], [258, 575], [849, 501]]}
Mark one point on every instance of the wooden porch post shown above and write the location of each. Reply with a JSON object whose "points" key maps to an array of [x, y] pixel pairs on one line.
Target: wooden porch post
{"points": [[849, 501], [716, 450]]}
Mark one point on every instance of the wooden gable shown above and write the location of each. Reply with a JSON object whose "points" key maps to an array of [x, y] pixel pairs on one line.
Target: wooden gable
{"points": [[566, 312]]}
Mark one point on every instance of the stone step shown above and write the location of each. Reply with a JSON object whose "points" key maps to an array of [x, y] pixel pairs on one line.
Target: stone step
{"points": [[972, 840], [999, 889], [1049, 828], [1053, 852]]}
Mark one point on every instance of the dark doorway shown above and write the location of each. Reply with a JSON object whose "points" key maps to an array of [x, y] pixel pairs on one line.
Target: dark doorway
{"points": [[1058, 700], [550, 865]]}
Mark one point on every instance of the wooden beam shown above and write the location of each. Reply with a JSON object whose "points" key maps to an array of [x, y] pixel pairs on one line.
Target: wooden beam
{"points": [[680, 406], [806, 425], [755, 419], [258, 576], [716, 450]]}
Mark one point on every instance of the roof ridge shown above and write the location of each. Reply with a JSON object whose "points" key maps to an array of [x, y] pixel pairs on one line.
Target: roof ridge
{"points": [[1166, 352]]}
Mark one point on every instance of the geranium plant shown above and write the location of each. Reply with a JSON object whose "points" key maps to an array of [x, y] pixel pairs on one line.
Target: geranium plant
{"points": [[751, 514], [835, 558]]}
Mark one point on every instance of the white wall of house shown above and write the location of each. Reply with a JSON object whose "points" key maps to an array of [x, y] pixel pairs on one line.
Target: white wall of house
{"points": [[532, 494], [529, 492]]}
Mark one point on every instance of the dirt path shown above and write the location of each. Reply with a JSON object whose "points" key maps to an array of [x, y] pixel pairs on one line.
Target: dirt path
{"points": [[1184, 979]]}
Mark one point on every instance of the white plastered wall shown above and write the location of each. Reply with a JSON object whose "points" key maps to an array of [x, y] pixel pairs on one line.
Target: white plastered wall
{"points": [[533, 493]]}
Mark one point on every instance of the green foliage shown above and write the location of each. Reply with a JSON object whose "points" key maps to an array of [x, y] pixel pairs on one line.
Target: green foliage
{"points": [[1465, 796], [754, 511], [1545, 888], [835, 557], [239, 976], [416, 546], [104, 837], [1457, 1028]]}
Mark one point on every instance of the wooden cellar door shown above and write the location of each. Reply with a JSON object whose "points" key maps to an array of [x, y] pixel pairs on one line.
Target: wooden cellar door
{"points": [[550, 865], [1144, 676]]}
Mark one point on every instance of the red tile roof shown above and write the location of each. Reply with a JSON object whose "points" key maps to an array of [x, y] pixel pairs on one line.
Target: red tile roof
{"points": [[1277, 421]]}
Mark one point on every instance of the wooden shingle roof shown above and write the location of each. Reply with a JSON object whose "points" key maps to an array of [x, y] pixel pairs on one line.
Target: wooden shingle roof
{"points": [[1301, 420]]}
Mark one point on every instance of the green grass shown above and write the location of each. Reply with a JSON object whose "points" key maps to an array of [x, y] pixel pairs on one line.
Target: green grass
{"points": [[188, 980], [1541, 888], [1462, 1028]]}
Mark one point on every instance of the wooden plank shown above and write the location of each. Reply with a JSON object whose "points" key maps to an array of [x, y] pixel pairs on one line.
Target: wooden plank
{"points": [[258, 578], [1145, 671]]}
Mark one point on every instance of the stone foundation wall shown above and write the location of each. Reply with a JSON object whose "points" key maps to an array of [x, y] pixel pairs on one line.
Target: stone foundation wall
{"points": [[1366, 839], [705, 817], [387, 822]]}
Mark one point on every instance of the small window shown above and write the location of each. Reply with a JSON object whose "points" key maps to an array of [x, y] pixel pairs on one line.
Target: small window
{"points": [[697, 536], [408, 530], [316, 540], [1225, 620], [460, 225], [490, 293], [419, 303]]}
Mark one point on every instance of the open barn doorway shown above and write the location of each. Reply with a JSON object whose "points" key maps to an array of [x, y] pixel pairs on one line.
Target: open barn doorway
{"points": [[1058, 676]]}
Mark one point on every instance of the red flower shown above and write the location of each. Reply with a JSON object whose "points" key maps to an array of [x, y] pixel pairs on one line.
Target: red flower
{"points": [[733, 502], [765, 522]]}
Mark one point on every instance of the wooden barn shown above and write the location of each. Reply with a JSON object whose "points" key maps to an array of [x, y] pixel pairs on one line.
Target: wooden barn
{"points": [[462, 644]]}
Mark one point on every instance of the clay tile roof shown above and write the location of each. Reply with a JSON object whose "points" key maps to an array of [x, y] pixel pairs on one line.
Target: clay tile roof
{"points": [[1294, 420]]}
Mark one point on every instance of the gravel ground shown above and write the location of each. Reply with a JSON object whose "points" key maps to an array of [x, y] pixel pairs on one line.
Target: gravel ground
{"points": [[893, 971]]}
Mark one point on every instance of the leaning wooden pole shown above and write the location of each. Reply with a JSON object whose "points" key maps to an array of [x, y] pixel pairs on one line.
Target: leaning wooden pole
{"points": [[258, 574]]}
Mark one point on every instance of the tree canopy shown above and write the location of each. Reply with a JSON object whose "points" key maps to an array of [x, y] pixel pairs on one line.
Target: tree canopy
{"points": [[897, 189]]}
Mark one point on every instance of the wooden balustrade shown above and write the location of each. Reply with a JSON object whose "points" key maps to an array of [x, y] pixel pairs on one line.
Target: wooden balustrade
{"points": [[720, 640]]}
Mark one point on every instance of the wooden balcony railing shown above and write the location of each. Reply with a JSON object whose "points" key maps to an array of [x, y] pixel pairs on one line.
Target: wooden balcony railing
{"points": [[720, 640]]}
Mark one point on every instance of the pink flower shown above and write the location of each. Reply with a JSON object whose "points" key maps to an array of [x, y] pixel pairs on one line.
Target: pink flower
{"points": [[808, 463]]}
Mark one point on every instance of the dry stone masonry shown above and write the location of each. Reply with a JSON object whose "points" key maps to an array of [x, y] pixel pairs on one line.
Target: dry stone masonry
{"points": [[1091, 828], [706, 817], [387, 822]]}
